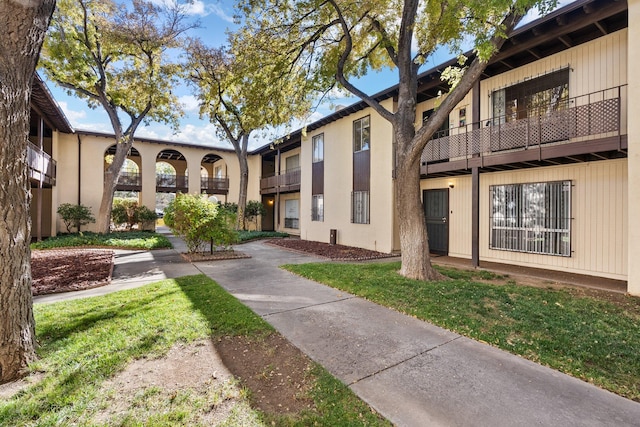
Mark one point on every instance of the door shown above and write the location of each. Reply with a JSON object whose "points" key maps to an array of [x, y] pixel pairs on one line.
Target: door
{"points": [[267, 219], [436, 210]]}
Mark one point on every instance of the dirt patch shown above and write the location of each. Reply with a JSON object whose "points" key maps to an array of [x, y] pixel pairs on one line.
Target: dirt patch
{"points": [[276, 372], [215, 256], [332, 252], [64, 270]]}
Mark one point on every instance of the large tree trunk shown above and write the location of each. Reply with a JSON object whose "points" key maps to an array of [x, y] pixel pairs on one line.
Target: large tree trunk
{"points": [[22, 29], [111, 175], [244, 181], [414, 241]]}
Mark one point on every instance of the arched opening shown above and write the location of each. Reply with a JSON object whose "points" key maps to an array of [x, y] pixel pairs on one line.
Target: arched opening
{"points": [[130, 180], [173, 177], [215, 181]]}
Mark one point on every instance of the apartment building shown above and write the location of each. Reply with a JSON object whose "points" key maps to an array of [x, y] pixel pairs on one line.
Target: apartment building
{"points": [[532, 167]]}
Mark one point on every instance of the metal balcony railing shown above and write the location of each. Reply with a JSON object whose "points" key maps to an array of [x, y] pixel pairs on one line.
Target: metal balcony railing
{"points": [[172, 182], [218, 185], [593, 115], [41, 165]]}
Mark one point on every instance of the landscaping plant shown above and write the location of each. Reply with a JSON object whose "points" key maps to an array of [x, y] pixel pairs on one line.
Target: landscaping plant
{"points": [[75, 216], [127, 213], [198, 221]]}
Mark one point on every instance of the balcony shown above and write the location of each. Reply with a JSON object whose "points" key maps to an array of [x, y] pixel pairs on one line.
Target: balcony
{"points": [[286, 182], [584, 126], [129, 181], [41, 165], [170, 183], [214, 185]]}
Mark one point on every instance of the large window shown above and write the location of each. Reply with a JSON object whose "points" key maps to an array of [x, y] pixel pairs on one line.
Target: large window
{"points": [[534, 218], [361, 134], [317, 207], [360, 207], [535, 97], [317, 143], [291, 213], [292, 163]]}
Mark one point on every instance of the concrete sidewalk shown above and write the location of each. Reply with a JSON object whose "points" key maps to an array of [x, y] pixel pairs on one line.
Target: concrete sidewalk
{"points": [[413, 373]]}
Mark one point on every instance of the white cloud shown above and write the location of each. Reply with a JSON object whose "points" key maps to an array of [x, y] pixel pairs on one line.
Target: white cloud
{"points": [[198, 8], [190, 103], [73, 115]]}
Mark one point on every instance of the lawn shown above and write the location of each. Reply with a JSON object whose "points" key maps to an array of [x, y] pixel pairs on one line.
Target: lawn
{"points": [[246, 235], [121, 240], [591, 335], [84, 345]]}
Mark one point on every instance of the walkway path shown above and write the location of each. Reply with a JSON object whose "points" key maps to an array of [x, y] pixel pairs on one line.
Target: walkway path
{"points": [[413, 373]]}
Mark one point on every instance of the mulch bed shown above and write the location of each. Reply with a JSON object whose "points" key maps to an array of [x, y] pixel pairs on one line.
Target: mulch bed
{"points": [[332, 252], [215, 256], [64, 270]]}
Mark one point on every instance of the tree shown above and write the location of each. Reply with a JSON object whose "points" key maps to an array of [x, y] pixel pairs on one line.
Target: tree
{"points": [[117, 58], [242, 93], [75, 215], [22, 29], [336, 40]]}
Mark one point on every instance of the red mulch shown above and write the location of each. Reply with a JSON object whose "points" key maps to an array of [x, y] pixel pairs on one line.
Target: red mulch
{"points": [[64, 270], [333, 252]]}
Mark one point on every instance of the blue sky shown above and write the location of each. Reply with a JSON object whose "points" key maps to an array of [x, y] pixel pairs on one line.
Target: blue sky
{"points": [[216, 17]]}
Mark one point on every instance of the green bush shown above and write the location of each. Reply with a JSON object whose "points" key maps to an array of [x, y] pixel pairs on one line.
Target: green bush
{"points": [[127, 213], [199, 221], [75, 215], [253, 210]]}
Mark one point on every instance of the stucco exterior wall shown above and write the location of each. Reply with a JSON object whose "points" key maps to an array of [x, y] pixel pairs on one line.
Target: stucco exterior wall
{"points": [[338, 179], [88, 176]]}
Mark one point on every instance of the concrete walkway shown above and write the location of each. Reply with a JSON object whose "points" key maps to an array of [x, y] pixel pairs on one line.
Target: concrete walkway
{"points": [[413, 373]]}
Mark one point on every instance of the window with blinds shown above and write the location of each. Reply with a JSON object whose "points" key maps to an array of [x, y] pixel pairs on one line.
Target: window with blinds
{"points": [[534, 218]]}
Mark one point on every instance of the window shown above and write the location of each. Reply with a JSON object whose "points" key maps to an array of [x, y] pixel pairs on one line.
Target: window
{"points": [[317, 207], [361, 134], [531, 98], [360, 207], [291, 215], [443, 130], [317, 143], [218, 172], [292, 163], [534, 218]]}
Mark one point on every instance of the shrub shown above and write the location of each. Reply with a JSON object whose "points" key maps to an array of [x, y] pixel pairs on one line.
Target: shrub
{"points": [[127, 213], [199, 221], [253, 210], [75, 215]]}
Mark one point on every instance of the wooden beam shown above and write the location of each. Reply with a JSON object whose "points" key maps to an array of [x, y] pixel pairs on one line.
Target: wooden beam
{"points": [[602, 27], [566, 40]]}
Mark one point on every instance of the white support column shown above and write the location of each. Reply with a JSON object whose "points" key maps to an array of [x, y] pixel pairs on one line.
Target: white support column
{"points": [[633, 99], [148, 173], [193, 166]]}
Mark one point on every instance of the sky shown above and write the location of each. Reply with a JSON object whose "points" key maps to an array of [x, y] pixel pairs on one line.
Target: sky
{"points": [[216, 18]]}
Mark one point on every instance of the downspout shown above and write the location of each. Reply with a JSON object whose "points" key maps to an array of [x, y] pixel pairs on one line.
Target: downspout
{"points": [[79, 166], [278, 191]]}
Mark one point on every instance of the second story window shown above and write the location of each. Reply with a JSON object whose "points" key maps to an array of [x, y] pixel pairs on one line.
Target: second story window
{"points": [[317, 143], [292, 163], [361, 134]]}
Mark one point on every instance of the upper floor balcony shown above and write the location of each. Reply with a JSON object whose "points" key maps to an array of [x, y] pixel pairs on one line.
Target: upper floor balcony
{"points": [[171, 183], [41, 165], [286, 182], [219, 185], [573, 130]]}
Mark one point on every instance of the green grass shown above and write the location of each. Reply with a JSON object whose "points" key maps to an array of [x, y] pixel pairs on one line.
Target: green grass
{"points": [[122, 240], [595, 339], [83, 343], [246, 236]]}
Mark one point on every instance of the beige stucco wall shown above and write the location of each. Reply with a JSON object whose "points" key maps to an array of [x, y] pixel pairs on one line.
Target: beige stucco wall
{"points": [[338, 173], [91, 174], [634, 150]]}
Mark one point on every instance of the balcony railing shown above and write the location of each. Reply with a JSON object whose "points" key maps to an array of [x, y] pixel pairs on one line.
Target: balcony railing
{"points": [[41, 165], [288, 180], [129, 181], [598, 114], [172, 183], [214, 185]]}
